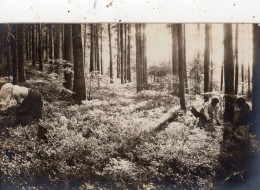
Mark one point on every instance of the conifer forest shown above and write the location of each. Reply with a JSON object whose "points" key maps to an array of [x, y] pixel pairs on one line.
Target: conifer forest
{"points": [[129, 106]]}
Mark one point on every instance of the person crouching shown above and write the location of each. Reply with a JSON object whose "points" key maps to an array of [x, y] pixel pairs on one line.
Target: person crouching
{"points": [[242, 123], [29, 101], [208, 114]]}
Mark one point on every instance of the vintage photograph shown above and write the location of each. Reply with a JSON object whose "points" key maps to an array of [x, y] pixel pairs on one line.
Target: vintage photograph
{"points": [[129, 106]]}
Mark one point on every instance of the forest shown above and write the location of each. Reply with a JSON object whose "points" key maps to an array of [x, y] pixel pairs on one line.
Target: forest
{"points": [[117, 106]]}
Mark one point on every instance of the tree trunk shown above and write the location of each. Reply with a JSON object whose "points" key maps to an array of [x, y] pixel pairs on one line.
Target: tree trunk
{"points": [[8, 58], [129, 53], [21, 49], [36, 42], [101, 51], [33, 45], [26, 43], [79, 86], [236, 55], [206, 63], [248, 66], [175, 60], [62, 40], [40, 47], [122, 53], [110, 55], [229, 73], [118, 51], [145, 76], [47, 45], [68, 48], [138, 61], [97, 49], [181, 67], [91, 65], [222, 76], [58, 43], [30, 42], [242, 77], [185, 64], [125, 32], [256, 79], [51, 43], [14, 54], [211, 60], [85, 43]]}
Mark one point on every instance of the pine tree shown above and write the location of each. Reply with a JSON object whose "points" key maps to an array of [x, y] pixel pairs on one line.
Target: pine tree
{"points": [[181, 67], [79, 86], [21, 49], [229, 73]]}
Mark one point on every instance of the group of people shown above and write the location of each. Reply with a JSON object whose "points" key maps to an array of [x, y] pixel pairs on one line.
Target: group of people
{"points": [[209, 114], [29, 102]]}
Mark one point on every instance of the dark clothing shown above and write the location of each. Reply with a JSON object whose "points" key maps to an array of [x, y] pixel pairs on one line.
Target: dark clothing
{"points": [[30, 109], [200, 115], [244, 117]]}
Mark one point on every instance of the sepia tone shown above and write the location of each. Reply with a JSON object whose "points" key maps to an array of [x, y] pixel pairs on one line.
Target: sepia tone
{"points": [[129, 106]]}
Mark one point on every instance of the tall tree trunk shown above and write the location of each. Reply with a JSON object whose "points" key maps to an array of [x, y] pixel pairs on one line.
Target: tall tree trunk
{"points": [[58, 43], [91, 65], [145, 76], [122, 53], [97, 48], [40, 47], [68, 48], [47, 45], [68, 55], [181, 67], [33, 45], [51, 43], [36, 42], [118, 51], [30, 42], [138, 61], [197, 84], [79, 86], [248, 68], [21, 49], [211, 60], [14, 53], [256, 79], [110, 55], [129, 53], [175, 60], [101, 51], [125, 52], [8, 58], [222, 76], [206, 63], [26, 42], [236, 55], [229, 73], [242, 76], [185, 64], [85, 43], [62, 41]]}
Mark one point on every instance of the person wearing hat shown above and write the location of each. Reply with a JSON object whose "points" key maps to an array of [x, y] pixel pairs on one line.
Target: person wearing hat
{"points": [[243, 121], [209, 113], [29, 102]]}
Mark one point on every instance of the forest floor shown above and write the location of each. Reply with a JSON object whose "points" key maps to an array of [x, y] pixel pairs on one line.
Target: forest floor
{"points": [[120, 139]]}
